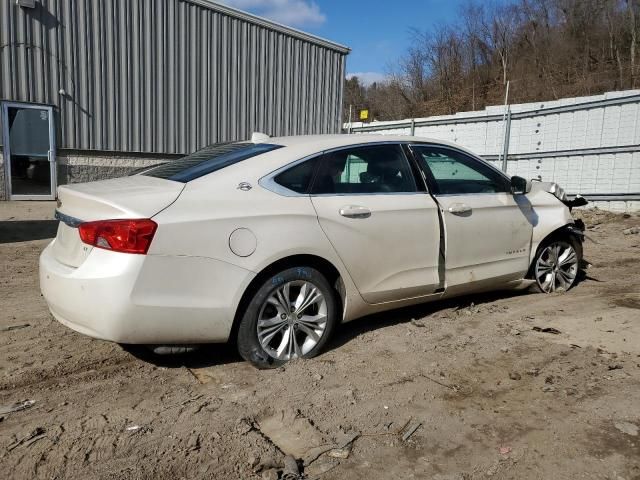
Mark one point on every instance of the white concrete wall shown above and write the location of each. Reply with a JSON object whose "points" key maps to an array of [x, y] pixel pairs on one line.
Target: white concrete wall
{"points": [[616, 206], [556, 137], [602, 174]]}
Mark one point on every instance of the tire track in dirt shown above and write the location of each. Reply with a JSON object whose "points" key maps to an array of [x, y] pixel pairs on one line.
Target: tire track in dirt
{"points": [[448, 366]]}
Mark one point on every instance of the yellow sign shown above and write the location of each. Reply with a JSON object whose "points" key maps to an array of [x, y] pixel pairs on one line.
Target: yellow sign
{"points": [[364, 114]]}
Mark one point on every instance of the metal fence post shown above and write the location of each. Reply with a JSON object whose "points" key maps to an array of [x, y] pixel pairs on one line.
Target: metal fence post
{"points": [[505, 143], [413, 127]]}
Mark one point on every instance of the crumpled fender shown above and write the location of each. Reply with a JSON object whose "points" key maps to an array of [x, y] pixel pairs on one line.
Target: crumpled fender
{"points": [[558, 192], [552, 215]]}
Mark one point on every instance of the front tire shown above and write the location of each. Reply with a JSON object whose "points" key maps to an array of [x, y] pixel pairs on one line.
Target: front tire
{"points": [[556, 266], [290, 316]]}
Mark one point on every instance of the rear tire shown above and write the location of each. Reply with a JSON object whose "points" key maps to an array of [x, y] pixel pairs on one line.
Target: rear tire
{"points": [[557, 263], [291, 315]]}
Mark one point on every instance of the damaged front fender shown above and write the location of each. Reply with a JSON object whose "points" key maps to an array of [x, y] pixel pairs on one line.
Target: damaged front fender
{"points": [[553, 214], [558, 192]]}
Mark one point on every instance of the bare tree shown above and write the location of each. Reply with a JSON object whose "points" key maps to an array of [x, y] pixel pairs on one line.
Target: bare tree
{"points": [[546, 48]]}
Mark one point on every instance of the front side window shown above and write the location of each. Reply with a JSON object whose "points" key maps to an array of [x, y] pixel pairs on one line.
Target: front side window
{"points": [[454, 173], [364, 170], [208, 160]]}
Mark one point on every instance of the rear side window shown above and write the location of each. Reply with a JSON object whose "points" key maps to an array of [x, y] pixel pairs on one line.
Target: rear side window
{"points": [[298, 177], [367, 170], [208, 160]]}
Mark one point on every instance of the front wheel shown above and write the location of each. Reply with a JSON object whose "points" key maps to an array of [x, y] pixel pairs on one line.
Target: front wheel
{"points": [[290, 316], [556, 265]]}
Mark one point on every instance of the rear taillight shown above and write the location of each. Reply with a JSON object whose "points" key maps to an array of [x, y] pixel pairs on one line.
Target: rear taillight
{"points": [[126, 236]]}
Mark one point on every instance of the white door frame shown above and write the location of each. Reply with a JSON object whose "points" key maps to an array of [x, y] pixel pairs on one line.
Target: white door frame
{"points": [[7, 150]]}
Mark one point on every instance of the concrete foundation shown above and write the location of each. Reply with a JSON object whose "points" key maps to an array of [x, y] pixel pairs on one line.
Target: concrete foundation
{"points": [[617, 206], [78, 167]]}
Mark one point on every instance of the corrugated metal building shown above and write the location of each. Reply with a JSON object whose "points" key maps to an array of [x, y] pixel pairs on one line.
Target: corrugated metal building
{"points": [[95, 88]]}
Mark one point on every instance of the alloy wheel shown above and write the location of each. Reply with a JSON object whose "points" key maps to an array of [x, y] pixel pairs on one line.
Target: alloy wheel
{"points": [[556, 267], [292, 320]]}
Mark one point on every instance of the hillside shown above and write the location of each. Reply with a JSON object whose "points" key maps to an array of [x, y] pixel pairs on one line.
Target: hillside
{"points": [[546, 49]]}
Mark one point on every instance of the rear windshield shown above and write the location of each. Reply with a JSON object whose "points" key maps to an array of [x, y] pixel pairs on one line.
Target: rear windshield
{"points": [[209, 159]]}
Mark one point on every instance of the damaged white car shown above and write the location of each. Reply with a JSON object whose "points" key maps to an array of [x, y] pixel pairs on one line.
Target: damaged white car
{"points": [[273, 242]]}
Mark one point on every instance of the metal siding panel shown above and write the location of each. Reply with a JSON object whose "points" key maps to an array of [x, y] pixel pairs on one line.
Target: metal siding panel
{"points": [[165, 76], [191, 80], [181, 106], [149, 80], [82, 77], [123, 62], [159, 112], [243, 90], [171, 144], [223, 93], [5, 59], [134, 50], [215, 77], [21, 71], [98, 76], [37, 67], [71, 72], [337, 102], [5, 55], [203, 80], [111, 110]]}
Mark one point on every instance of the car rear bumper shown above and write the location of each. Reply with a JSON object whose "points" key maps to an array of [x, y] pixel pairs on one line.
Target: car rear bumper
{"points": [[146, 299]]}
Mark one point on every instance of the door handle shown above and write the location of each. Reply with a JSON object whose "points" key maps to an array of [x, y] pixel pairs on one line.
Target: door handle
{"points": [[459, 209], [355, 211], [50, 156]]}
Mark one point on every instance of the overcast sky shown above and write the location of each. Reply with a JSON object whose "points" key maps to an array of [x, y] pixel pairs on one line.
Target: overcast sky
{"points": [[377, 31]]}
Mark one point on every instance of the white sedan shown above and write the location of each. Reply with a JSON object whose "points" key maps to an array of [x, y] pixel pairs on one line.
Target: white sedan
{"points": [[271, 243]]}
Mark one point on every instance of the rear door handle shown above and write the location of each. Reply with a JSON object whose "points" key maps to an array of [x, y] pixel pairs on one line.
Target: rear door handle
{"points": [[459, 209], [355, 211]]}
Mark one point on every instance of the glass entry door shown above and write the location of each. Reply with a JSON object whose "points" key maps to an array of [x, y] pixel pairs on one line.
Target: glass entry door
{"points": [[30, 151]]}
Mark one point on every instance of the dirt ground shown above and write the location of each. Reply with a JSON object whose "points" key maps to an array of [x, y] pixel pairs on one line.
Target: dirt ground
{"points": [[459, 390]]}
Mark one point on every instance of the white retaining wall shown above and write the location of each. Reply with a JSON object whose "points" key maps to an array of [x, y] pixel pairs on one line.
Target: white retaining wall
{"points": [[589, 145]]}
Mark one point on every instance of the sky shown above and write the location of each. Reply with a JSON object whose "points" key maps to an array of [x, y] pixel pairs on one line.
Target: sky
{"points": [[378, 32]]}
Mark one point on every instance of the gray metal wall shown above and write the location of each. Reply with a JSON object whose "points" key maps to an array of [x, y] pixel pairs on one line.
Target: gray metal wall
{"points": [[166, 76]]}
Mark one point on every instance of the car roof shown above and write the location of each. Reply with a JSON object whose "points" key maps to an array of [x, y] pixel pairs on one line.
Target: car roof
{"points": [[308, 144], [323, 142], [301, 147]]}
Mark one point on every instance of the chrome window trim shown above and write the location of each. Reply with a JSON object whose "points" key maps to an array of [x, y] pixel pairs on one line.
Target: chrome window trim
{"points": [[365, 194], [463, 194]]}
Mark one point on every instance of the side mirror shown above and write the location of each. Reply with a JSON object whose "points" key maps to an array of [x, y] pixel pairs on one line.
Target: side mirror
{"points": [[520, 185]]}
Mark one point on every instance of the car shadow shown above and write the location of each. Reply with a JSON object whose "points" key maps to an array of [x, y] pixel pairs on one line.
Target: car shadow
{"points": [[13, 231], [205, 355], [348, 331], [583, 275], [210, 355]]}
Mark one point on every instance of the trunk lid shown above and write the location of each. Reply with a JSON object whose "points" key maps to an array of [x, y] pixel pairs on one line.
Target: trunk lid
{"points": [[137, 196]]}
